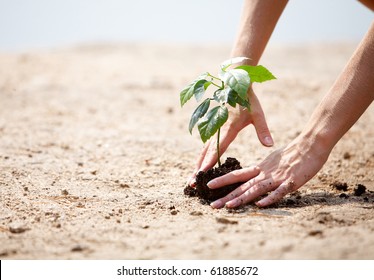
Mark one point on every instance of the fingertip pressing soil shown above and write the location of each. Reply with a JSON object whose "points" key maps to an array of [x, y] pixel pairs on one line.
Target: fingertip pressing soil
{"points": [[206, 194]]}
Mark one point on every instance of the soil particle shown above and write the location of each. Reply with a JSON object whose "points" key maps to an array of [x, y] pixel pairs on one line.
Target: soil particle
{"points": [[64, 192], [189, 191], [78, 248], [18, 229], [344, 195], [315, 233], [124, 186], [340, 186], [347, 155], [359, 190], [7, 253], [290, 202], [226, 221], [196, 213]]}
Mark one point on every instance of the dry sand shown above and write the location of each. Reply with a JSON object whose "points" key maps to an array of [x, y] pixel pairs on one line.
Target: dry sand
{"points": [[95, 152]]}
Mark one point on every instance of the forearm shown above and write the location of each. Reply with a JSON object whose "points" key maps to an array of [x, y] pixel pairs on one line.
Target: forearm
{"points": [[347, 100], [257, 23]]}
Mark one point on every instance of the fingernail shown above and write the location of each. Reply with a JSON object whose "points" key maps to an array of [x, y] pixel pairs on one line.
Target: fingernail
{"points": [[217, 204], [211, 184], [268, 141], [192, 182], [233, 203]]}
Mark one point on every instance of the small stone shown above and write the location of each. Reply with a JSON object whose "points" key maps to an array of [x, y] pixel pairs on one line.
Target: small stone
{"points": [[347, 155], [315, 233], [18, 229], [196, 213], [226, 221], [77, 248]]}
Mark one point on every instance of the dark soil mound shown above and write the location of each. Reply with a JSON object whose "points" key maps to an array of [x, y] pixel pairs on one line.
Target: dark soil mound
{"points": [[202, 178]]}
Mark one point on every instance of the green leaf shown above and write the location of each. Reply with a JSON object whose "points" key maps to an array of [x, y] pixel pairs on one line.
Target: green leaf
{"points": [[196, 88], [207, 84], [186, 94], [199, 113], [231, 98], [227, 63], [257, 73], [213, 120], [199, 89], [221, 95], [238, 80]]}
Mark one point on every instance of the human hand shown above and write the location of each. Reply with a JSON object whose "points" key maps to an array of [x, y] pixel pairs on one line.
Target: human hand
{"points": [[239, 118], [282, 172]]}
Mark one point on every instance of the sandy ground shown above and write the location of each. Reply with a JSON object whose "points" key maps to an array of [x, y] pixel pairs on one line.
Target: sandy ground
{"points": [[95, 152]]}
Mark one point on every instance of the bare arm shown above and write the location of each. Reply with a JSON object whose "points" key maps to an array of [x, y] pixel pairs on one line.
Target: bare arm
{"points": [[349, 97], [368, 3], [289, 168], [258, 20]]}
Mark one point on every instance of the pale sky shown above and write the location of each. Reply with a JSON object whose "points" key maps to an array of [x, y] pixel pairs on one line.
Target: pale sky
{"points": [[33, 24]]}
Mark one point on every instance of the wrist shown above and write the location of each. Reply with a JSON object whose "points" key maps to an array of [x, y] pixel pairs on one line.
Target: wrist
{"points": [[318, 140]]}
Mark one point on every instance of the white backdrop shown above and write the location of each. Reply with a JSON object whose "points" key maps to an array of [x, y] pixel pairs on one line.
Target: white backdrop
{"points": [[48, 23]]}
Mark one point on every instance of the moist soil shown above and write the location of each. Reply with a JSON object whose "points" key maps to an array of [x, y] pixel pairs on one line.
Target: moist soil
{"points": [[206, 194]]}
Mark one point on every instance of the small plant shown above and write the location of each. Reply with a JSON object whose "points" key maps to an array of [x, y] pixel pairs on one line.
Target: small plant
{"points": [[231, 88]]}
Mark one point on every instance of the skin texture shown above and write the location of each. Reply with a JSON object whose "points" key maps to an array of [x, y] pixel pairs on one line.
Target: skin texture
{"points": [[290, 167]]}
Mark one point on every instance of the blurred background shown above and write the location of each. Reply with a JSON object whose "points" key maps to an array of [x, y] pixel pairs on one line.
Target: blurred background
{"points": [[39, 24]]}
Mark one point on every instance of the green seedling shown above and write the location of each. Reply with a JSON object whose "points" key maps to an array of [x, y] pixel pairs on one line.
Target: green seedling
{"points": [[231, 88]]}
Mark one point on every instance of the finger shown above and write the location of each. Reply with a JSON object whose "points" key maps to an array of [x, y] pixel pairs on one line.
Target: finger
{"points": [[235, 193], [236, 176], [252, 193], [210, 158], [260, 124], [278, 194], [191, 181]]}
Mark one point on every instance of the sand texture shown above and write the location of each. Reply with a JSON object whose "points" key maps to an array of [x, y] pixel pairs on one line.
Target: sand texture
{"points": [[95, 152]]}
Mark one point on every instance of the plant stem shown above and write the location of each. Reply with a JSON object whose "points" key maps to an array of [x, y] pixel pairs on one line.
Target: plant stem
{"points": [[215, 84], [214, 77], [218, 153]]}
